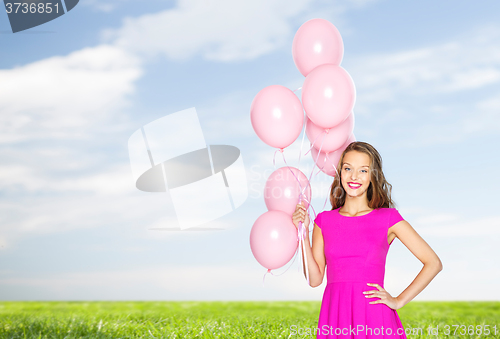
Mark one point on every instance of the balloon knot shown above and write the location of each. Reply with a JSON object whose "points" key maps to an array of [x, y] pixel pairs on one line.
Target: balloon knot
{"points": [[327, 130], [281, 150]]}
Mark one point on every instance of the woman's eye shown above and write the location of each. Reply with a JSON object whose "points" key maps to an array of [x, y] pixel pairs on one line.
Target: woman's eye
{"points": [[365, 171]]}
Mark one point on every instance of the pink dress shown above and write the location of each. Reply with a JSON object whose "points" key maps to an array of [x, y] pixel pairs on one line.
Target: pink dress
{"points": [[355, 251]]}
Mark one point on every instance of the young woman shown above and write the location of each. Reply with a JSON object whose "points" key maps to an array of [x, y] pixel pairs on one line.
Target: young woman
{"points": [[351, 241]]}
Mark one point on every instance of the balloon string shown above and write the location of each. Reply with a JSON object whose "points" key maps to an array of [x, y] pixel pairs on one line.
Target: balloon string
{"points": [[326, 198], [274, 158], [333, 165], [305, 260], [319, 152], [291, 264], [302, 143], [297, 89], [336, 173], [302, 194], [268, 271], [316, 161], [276, 275], [311, 206], [301, 230], [302, 245], [301, 147], [314, 142], [302, 191]]}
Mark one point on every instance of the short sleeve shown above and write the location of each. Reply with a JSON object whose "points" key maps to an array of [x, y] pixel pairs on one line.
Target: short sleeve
{"points": [[394, 217], [317, 221]]}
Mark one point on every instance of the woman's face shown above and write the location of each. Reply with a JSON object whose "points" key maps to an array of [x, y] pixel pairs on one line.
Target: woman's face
{"points": [[356, 173]]}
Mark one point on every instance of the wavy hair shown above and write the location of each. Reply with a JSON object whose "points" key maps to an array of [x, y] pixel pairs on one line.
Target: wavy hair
{"points": [[379, 190]]}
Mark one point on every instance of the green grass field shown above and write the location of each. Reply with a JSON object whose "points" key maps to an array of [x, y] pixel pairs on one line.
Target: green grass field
{"points": [[224, 319]]}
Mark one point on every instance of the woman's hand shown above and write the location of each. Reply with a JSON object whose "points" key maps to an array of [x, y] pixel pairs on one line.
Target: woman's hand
{"points": [[300, 214], [385, 297]]}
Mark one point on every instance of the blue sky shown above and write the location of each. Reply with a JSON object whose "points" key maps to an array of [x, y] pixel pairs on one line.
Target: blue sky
{"points": [[72, 91]]}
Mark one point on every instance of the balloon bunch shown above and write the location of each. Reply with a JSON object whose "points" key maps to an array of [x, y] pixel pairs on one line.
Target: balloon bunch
{"points": [[277, 115]]}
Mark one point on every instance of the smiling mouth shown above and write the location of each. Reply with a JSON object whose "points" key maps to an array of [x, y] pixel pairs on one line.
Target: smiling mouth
{"points": [[354, 186]]}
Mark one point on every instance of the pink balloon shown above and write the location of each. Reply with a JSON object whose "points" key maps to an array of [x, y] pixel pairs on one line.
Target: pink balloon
{"points": [[330, 139], [328, 95], [329, 162], [273, 239], [277, 116], [282, 190], [316, 42]]}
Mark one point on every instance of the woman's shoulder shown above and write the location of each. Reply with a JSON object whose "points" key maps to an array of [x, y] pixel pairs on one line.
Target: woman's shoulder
{"points": [[386, 210], [390, 213]]}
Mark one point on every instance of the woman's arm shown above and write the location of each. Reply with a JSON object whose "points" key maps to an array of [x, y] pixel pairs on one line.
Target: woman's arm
{"points": [[316, 261], [420, 249]]}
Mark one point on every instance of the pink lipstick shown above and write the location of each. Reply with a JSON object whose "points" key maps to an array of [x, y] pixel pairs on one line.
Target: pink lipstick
{"points": [[353, 185]]}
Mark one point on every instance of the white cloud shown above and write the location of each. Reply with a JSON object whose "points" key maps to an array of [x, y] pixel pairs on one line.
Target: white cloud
{"points": [[224, 30], [60, 97], [48, 175]]}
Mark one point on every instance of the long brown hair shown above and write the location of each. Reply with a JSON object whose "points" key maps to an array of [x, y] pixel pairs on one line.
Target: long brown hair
{"points": [[379, 190]]}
